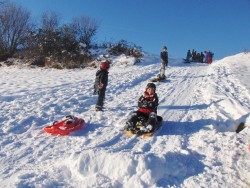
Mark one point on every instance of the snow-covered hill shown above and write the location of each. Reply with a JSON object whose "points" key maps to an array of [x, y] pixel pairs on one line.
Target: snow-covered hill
{"points": [[197, 146]]}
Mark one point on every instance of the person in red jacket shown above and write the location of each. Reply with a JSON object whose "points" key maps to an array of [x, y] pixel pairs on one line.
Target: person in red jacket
{"points": [[148, 104], [209, 56]]}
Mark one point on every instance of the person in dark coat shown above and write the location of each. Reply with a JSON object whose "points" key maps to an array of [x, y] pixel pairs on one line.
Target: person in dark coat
{"points": [[202, 57], [164, 56], [188, 57], [193, 55], [164, 63], [101, 82], [148, 104]]}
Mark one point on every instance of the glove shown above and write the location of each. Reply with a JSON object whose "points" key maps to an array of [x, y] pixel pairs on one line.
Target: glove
{"points": [[150, 104], [144, 104]]}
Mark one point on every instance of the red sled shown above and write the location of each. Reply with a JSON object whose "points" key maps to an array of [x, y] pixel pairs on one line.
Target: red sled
{"points": [[66, 126]]}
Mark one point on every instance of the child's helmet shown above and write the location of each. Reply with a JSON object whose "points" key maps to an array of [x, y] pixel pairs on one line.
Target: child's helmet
{"points": [[104, 65], [151, 85]]}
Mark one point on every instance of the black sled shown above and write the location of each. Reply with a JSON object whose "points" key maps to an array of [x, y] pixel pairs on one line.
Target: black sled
{"points": [[140, 123]]}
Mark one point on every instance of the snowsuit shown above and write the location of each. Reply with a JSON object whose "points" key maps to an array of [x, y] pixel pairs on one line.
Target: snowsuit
{"points": [[147, 110], [101, 82], [164, 63]]}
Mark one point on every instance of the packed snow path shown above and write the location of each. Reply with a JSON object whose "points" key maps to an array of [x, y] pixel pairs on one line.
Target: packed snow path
{"points": [[196, 147]]}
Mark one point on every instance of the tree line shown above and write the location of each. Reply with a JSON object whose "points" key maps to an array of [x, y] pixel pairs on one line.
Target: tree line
{"points": [[48, 42]]}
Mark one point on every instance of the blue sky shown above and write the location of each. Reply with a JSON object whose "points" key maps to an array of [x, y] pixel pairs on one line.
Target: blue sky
{"points": [[221, 26]]}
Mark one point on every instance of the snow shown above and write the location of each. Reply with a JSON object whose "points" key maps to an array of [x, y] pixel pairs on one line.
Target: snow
{"points": [[197, 146]]}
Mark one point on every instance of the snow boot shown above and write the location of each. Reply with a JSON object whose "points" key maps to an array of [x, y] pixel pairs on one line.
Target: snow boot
{"points": [[98, 108]]}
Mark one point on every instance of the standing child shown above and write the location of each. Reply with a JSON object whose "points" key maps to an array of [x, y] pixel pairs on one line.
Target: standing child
{"points": [[202, 57], [147, 103], [164, 62], [101, 82]]}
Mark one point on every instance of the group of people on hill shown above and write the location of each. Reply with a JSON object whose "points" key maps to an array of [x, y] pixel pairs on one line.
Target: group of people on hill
{"points": [[199, 57], [149, 101]]}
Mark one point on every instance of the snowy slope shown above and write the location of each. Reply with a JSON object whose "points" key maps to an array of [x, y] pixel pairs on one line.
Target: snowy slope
{"points": [[196, 147]]}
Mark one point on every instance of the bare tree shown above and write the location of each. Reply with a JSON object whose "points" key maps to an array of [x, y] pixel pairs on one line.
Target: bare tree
{"points": [[50, 21], [86, 30], [14, 26], [49, 32], [69, 38]]}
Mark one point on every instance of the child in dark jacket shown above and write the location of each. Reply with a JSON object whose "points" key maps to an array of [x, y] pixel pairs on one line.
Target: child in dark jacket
{"points": [[101, 82], [147, 109], [164, 63]]}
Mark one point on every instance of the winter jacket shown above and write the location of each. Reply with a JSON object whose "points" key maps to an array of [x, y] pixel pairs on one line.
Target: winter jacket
{"points": [[148, 103], [101, 80], [164, 57]]}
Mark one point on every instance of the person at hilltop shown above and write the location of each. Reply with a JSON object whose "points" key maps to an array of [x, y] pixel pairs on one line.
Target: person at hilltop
{"points": [[193, 55], [101, 82], [188, 57], [209, 56], [164, 63], [202, 57], [147, 104]]}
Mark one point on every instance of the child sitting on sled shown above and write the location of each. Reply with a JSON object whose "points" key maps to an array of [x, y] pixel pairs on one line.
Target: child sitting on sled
{"points": [[147, 103]]}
